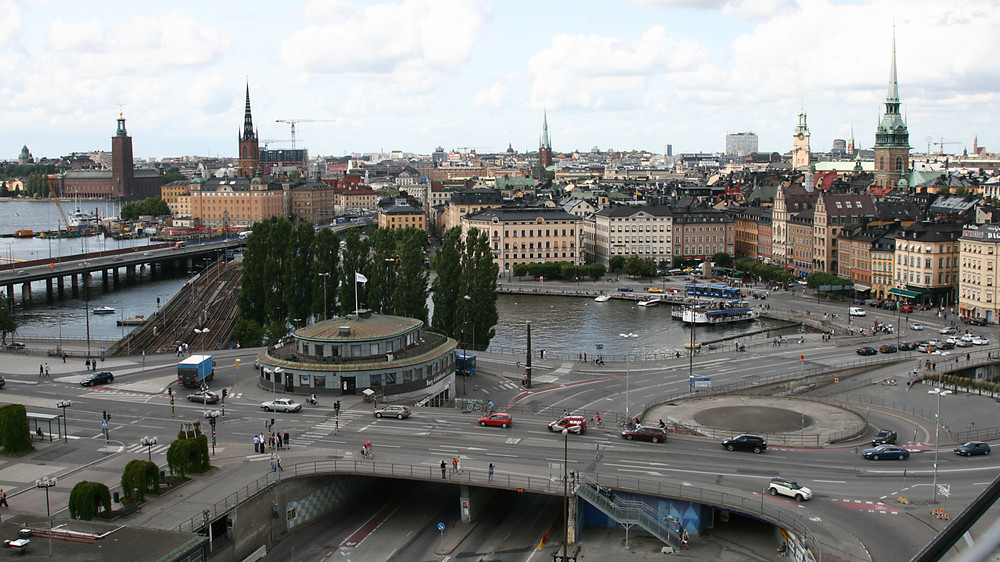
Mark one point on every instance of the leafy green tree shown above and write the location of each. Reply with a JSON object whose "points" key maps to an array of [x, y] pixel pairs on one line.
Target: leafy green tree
{"points": [[410, 298], [173, 174], [278, 264], [14, 432], [722, 259], [596, 270], [633, 266], [616, 264], [248, 332], [138, 478], [325, 267], [253, 284], [520, 270], [299, 280], [382, 270], [447, 285], [87, 498], [188, 453], [355, 259], [479, 280], [150, 206], [8, 323]]}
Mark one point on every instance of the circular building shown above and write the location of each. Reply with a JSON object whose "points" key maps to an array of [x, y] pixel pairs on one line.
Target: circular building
{"points": [[393, 356]]}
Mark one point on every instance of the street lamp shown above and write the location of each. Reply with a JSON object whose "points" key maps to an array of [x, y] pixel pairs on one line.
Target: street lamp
{"points": [[325, 276], [148, 442], [465, 344], [46, 482], [937, 429], [565, 433], [202, 332], [626, 336], [211, 420], [64, 404]]}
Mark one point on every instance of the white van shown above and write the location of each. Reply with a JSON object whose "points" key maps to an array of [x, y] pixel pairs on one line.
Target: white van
{"points": [[857, 311]]}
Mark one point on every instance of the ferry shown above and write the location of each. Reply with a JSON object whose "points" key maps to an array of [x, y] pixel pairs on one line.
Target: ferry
{"points": [[103, 310], [603, 298], [721, 313], [136, 320]]}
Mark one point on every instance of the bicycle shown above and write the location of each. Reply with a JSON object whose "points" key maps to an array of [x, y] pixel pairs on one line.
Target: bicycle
{"points": [[367, 453]]}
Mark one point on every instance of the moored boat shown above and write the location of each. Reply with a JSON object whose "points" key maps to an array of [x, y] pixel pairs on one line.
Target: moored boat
{"points": [[603, 298], [103, 310]]}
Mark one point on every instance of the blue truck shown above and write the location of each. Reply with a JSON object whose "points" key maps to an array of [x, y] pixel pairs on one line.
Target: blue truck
{"points": [[196, 370]]}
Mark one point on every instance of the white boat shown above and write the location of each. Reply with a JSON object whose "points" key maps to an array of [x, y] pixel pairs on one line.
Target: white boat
{"points": [[716, 315], [603, 298], [104, 310], [650, 302]]}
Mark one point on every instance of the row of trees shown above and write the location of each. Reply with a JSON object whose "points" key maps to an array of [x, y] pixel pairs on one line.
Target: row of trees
{"points": [[564, 269], [764, 272], [150, 206], [465, 298]]}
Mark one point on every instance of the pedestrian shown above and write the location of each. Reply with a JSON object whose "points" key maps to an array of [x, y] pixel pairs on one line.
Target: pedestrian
{"points": [[286, 439], [3, 498], [491, 472], [684, 539], [63, 353], [256, 444], [454, 466], [278, 460], [584, 356], [458, 465], [444, 469], [41, 370], [46, 369]]}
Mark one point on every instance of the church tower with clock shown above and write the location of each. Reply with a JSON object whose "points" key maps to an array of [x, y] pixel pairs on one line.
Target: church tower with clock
{"points": [[800, 143], [892, 140]]}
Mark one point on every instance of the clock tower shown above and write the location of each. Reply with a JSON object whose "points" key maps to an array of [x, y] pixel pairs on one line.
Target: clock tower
{"points": [[800, 143]]}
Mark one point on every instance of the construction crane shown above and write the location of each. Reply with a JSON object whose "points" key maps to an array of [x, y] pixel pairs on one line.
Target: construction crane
{"points": [[266, 142], [292, 122], [941, 145]]}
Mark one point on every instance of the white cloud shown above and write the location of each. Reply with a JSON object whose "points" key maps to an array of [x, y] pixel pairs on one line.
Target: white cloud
{"points": [[740, 9], [10, 23], [493, 95], [76, 36]]}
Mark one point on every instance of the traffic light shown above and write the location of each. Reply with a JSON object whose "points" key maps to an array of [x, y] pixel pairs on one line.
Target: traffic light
{"points": [[225, 392], [170, 391], [104, 415], [336, 405]]}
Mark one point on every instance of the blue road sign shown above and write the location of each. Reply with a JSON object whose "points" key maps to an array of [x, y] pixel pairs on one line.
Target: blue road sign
{"points": [[440, 526]]}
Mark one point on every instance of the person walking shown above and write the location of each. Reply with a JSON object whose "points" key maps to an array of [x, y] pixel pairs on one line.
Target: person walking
{"points": [[444, 469], [286, 439], [46, 370], [454, 466], [491, 472], [684, 539], [41, 370], [256, 443], [458, 464], [3, 498]]}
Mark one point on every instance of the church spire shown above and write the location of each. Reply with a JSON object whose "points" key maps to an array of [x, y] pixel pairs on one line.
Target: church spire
{"points": [[893, 95], [248, 119], [545, 130]]}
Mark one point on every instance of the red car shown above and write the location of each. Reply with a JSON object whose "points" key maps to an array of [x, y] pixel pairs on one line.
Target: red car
{"points": [[906, 308], [654, 434], [501, 420]]}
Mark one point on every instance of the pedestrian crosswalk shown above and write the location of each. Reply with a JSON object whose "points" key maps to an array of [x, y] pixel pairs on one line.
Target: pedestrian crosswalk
{"points": [[328, 427], [160, 449]]}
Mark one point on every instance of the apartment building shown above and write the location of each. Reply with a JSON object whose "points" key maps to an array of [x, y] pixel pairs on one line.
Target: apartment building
{"points": [[833, 213], [979, 251], [701, 232], [624, 230], [528, 234], [926, 263]]}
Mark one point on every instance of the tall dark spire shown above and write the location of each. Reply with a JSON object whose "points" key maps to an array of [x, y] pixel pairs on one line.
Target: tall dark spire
{"points": [[248, 133]]}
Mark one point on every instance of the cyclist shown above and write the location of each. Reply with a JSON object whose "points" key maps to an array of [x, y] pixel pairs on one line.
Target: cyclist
{"points": [[312, 399], [597, 416], [367, 451]]}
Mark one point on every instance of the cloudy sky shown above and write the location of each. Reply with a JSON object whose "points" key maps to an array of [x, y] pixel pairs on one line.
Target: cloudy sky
{"points": [[415, 74]]}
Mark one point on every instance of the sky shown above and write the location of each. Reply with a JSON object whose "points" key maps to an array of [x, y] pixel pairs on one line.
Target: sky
{"points": [[412, 75]]}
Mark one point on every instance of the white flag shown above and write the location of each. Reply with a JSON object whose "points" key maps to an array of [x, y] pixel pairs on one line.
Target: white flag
{"points": [[358, 278]]}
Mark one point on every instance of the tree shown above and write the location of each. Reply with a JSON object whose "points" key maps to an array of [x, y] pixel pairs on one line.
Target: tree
{"points": [[410, 298], [325, 266], [616, 264], [253, 285], [479, 280], [299, 280], [447, 285], [173, 174], [188, 453], [355, 259], [150, 206], [87, 498], [596, 271], [722, 259], [138, 478], [520, 270], [8, 323], [14, 432], [382, 270]]}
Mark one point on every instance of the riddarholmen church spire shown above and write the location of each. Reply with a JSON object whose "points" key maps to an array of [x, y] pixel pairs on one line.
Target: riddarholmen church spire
{"points": [[249, 160], [247, 120]]}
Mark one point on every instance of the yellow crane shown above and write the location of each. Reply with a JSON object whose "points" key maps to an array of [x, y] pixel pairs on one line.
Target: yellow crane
{"points": [[62, 213], [292, 122]]}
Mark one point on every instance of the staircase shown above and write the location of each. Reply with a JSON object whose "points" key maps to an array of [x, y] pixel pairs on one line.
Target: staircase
{"points": [[628, 512]]}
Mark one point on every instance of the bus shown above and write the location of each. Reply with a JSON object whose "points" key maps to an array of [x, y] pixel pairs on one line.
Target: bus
{"points": [[717, 291], [465, 363]]}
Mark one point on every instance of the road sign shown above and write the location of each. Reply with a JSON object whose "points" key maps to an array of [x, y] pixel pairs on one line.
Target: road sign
{"points": [[440, 526], [802, 357], [104, 423], [700, 382], [944, 490]]}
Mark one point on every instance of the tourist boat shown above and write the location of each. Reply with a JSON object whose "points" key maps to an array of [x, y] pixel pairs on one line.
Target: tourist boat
{"points": [[83, 220], [136, 320], [715, 313], [603, 298], [103, 310], [650, 302]]}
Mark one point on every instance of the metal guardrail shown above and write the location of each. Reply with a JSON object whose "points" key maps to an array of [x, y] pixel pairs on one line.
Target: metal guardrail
{"points": [[747, 504]]}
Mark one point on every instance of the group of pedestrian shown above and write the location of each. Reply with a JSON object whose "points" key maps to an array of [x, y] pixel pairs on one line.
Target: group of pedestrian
{"points": [[779, 341], [599, 360], [182, 349], [43, 370], [90, 364], [272, 441]]}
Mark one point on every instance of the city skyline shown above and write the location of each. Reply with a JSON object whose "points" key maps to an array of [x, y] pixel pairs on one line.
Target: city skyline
{"points": [[415, 74]]}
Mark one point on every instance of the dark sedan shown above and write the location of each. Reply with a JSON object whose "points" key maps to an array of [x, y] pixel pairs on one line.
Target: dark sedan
{"points": [[102, 377], [887, 348], [973, 448], [745, 442], [906, 346], [865, 350], [653, 434], [625, 289], [886, 452]]}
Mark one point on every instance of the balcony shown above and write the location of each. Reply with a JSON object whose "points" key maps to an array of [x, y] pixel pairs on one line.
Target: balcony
{"points": [[428, 342]]}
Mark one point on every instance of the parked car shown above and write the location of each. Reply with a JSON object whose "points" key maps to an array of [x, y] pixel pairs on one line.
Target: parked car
{"points": [[205, 396], [393, 411], [884, 437], [948, 330], [875, 303], [973, 448], [575, 424], [906, 308], [963, 343], [625, 289], [886, 452], [945, 345], [926, 347], [102, 377], [745, 442], [906, 346], [865, 350], [887, 348], [889, 305], [654, 290], [281, 404], [980, 340], [857, 311], [15, 346], [653, 434], [916, 326], [788, 487], [500, 420], [975, 321], [761, 295]]}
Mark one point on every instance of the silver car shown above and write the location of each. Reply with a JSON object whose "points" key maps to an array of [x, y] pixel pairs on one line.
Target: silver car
{"points": [[398, 412], [281, 405]]}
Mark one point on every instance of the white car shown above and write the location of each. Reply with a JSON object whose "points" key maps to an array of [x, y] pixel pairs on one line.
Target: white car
{"points": [[857, 311], [916, 326], [948, 330], [980, 341], [790, 488], [281, 405]]}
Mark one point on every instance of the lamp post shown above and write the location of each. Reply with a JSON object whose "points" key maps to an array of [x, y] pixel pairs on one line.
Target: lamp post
{"points": [[64, 404], [46, 482], [565, 433], [148, 442], [937, 429], [325, 276], [202, 332], [465, 344], [628, 335]]}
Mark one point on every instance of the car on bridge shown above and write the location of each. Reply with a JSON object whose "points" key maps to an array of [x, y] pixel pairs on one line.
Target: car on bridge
{"points": [[624, 289], [654, 290], [745, 442], [917, 326], [884, 437], [574, 424], [281, 405], [906, 346], [392, 411], [886, 452], [788, 487], [654, 434], [102, 377], [972, 448], [204, 396], [887, 348], [15, 346], [497, 420], [866, 350], [857, 311]]}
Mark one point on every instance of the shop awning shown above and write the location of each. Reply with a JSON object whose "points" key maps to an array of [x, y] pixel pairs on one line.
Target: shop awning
{"points": [[860, 287], [904, 293]]}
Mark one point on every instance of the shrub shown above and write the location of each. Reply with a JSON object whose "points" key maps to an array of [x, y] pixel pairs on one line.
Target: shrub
{"points": [[138, 478], [86, 499], [14, 432]]}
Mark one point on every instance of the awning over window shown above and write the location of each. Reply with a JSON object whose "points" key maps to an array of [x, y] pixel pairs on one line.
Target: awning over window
{"points": [[860, 287], [904, 293]]}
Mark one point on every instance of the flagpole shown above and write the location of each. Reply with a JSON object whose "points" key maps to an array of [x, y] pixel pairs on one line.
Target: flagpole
{"points": [[355, 292]]}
